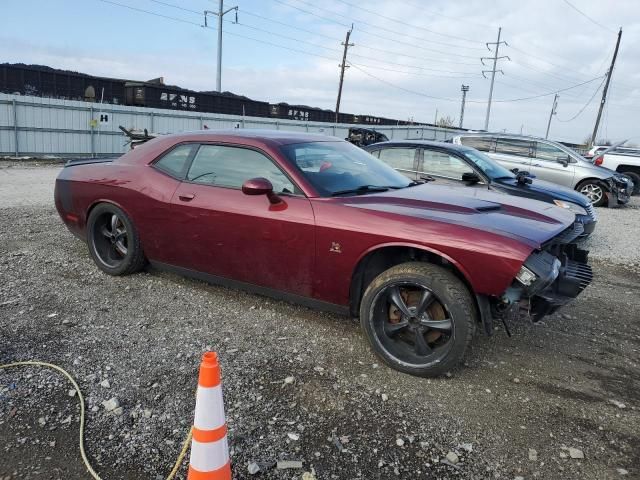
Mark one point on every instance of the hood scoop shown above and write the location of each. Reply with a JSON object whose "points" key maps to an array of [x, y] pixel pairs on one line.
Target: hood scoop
{"points": [[488, 208]]}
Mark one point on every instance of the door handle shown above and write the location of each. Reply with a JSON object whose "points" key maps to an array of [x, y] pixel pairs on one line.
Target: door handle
{"points": [[186, 197]]}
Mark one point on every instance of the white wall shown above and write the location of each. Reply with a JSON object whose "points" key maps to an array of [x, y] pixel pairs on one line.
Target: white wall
{"points": [[32, 126]]}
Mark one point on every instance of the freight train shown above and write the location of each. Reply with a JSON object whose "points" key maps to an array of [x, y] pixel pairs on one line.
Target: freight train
{"points": [[43, 81]]}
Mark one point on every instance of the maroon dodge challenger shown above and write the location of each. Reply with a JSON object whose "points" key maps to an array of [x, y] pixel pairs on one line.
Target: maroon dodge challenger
{"points": [[317, 221]]}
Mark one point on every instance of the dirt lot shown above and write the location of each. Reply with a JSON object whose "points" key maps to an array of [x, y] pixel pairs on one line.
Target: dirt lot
{"points": [[514, 410]]}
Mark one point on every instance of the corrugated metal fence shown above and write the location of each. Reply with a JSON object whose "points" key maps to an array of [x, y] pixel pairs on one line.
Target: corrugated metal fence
{"points": [[35, 126]]}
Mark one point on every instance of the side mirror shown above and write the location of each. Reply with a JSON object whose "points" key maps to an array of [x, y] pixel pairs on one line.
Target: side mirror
{"points": [[470, 177], [524, 178], [515, 170], [563, 160], [260, 186]]}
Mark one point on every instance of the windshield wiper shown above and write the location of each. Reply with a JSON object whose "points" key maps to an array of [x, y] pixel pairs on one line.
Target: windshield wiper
{"points": [[361, 189]]}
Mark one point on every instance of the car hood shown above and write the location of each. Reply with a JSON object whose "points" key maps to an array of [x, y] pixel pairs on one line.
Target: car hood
{"points": [[530, 221], [547, 189], [588, 169]]}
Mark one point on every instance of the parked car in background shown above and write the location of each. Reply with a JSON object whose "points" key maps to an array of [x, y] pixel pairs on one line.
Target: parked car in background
{"points": [[447, 164], [318, 221], [620, 159], [596, 149], [553, 162], [365, 136]]}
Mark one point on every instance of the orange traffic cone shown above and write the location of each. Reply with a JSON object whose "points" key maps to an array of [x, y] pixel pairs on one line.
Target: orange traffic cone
{"points": [[209, 449]]}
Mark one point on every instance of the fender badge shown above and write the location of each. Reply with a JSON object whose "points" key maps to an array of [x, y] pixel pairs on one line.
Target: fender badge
{"points": [[335, 248]]}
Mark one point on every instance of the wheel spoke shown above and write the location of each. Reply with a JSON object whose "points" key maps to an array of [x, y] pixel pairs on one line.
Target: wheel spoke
{"points": [[120, 248], [392, 329], [114, 224], [438, 325], [398, 301], [105, 231], [426, 300], [421, 346]]}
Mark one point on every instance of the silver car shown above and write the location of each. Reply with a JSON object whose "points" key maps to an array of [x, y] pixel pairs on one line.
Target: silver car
{"points": [[553, 162]]}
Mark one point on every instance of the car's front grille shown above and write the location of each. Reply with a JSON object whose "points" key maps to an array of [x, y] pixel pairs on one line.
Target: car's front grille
{"points": [[591, 211], [576, 276], [568, 235]]}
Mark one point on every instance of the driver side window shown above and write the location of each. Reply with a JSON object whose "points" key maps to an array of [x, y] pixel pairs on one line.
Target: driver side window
{"points": [[223, 166], [444, 165]]}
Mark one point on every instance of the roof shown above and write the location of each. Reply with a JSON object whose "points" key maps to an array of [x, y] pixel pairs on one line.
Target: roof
{"points": [[417, 143], [503, 135], [279, 137]]}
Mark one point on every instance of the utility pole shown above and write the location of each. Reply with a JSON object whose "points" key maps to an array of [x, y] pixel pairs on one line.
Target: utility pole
{"points": [[553, 112], [464, 89], [435, 119], [220, 14], [342, 66], [495, 59], [606, 88]]}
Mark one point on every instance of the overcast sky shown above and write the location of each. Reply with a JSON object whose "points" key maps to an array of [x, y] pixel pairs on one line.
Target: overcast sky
{"points": [[409, 59]]}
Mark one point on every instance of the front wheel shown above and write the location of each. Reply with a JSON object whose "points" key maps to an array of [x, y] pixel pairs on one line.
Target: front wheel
{"points": [[113, 241], [419, 318], [595, 191]]}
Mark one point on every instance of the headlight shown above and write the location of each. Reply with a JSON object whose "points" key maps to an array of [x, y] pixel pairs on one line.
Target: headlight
{"points": [[574, 207], [526, 276]]}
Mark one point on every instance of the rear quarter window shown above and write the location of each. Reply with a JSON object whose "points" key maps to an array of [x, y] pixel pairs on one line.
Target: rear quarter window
{"points": [[174, 162], [484, 144]]}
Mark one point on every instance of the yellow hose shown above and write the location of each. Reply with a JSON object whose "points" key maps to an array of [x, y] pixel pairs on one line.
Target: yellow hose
{"points": [[92, 472]]}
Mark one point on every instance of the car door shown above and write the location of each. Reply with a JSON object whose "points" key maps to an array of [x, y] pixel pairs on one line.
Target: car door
{"points": [[513, 153], [444, 168], [228, 234], [403, 159], [552, 164]]}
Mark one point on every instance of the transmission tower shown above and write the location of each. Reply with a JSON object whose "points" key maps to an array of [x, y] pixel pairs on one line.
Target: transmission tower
{"points": [[493, 71]]}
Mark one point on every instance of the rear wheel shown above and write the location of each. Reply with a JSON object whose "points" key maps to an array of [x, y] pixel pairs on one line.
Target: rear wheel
{"points": [[636, 181], [595, 191], [113, 241], [419, 318]]}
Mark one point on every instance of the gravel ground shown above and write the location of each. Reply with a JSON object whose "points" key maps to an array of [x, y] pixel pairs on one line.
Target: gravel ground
{"points": [[520, 407]]}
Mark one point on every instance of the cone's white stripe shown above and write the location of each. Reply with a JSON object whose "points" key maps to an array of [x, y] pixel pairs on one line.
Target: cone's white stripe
{"points": [[209, 408], [209, 456]]}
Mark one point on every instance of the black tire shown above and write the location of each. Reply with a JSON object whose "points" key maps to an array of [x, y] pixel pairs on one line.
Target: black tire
{"points": [[449, 298], [113, 241], [636, 181], [590, 187]]}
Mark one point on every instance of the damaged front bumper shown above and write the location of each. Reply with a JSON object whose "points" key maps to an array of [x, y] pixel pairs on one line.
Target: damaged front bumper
{"points": [[549, 278], [620, 190], [574, 274]]}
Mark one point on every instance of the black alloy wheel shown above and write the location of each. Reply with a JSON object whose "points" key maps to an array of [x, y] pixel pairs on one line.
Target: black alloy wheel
{"points": [[113, 241], [419, 318]]}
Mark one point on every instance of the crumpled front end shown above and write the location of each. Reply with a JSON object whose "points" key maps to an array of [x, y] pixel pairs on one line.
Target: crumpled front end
{"points": [[621, 188], [549, 278]]}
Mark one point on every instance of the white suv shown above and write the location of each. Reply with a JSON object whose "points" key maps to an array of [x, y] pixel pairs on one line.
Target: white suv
{"points": [[620, 159]]}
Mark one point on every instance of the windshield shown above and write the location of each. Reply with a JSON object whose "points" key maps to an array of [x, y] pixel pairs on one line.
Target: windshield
{"points": [[335, 167], [491, 168]]}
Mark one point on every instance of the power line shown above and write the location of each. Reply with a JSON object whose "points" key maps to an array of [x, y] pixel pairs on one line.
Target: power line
{"points": [[585, 105], [227, 33], [269, 32], [588, 17], [378, 27], [271, 43], [358, 67], [394, 70], [451, 17], [360, 7]]}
